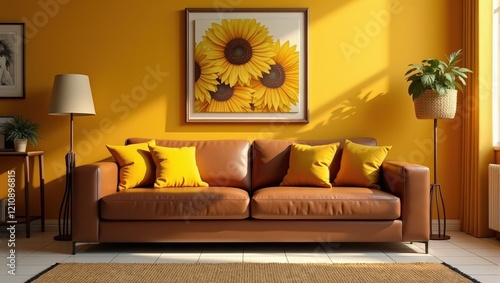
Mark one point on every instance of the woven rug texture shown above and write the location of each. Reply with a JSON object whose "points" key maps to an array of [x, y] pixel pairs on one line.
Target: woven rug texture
{"points": [[250, 272]]}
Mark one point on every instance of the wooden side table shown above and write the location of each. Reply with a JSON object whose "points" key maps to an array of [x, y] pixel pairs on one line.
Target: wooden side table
{"points": [[27, 218]]}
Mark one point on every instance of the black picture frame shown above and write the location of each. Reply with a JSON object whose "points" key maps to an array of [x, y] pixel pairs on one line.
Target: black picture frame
{"points": [[12, 60], [4, 144]]}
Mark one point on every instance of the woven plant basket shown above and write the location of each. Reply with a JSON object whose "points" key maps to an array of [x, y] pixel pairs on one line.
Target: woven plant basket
{"points": [[431, 105]]}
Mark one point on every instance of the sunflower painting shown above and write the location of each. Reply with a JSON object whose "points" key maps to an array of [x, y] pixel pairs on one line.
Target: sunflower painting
{"points": [[277, 90], [246, 65]]}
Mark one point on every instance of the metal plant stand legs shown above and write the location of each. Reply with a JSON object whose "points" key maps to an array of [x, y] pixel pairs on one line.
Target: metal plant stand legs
{"points": [[437, 198]]}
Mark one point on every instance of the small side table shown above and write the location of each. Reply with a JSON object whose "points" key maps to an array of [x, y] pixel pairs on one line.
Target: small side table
{"points": [[27, 218]]}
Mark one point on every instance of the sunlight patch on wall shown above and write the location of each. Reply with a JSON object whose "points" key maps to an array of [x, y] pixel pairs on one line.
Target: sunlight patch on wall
{"points": [[496, 74]]}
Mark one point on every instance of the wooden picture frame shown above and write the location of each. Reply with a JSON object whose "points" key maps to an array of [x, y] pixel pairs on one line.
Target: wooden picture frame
{"points": [[247, 65], [12, 60]]}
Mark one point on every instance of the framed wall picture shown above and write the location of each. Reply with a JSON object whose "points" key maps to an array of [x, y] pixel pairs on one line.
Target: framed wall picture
{"points": [[12, 81], [247, 65], [4, 144]]}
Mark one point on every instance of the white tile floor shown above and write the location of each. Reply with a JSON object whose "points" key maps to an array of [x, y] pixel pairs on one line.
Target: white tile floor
{"points": [[480, 258]]}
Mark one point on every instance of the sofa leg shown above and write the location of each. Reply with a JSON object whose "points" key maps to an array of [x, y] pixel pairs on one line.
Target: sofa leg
{"points": [[73, 245]]}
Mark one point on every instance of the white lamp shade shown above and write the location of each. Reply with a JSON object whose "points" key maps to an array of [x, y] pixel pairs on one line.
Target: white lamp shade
{"points": [[71, 94]]}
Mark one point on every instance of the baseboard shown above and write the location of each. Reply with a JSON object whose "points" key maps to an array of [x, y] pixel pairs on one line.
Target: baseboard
{"points": [[451, 225]]}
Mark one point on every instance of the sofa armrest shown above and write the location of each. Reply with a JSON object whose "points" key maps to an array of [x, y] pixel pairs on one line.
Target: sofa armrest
{"points": [[90, 183], [411, 183]]}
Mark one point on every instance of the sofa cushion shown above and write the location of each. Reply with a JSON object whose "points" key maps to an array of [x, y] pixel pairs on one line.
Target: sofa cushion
{"points": [[309, 165], [342, 203], [188, 203], [222, 163], [360, 165], [271, 159], [176, 167], [136, 164]]}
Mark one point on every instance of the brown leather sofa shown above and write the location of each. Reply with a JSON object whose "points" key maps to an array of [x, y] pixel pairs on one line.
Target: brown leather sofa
{"points": [[244, 202]]}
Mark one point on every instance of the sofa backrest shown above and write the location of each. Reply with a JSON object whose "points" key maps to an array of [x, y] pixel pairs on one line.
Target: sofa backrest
{"points": [[271, 158], [222, 163]]}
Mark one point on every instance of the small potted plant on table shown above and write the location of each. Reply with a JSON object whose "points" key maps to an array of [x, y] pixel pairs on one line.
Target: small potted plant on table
{"points": [[20, 131]]}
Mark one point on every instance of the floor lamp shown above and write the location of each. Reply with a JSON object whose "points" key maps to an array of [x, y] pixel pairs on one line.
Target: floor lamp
{"points": [[71, 95]]}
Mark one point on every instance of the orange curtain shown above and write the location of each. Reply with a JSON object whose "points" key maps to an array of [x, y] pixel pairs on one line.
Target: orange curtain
{"points": [[474, 197]]}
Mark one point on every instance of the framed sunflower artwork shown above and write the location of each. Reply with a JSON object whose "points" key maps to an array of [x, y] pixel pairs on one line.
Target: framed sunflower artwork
{"points": [[247, 65], [12, 60]]}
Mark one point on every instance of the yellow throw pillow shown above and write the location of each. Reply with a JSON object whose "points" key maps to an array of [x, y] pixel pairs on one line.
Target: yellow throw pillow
{"points": [[360, 164], [309, 165], [176, 167], [137, 168]]}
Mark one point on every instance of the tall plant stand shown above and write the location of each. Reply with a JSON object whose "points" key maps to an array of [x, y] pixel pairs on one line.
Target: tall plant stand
{"points": [[437, 199]]}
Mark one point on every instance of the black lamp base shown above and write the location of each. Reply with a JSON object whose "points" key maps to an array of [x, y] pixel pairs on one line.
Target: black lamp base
{"points": [[439, 237], [62, 237], [65, 209]]}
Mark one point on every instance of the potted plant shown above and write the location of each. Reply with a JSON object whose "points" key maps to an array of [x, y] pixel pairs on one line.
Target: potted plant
{"points": [[20, 131], [434, 86]]}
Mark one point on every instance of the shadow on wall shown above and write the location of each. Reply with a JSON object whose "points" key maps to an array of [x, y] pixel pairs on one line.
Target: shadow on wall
{"points": [[347, 109], [357, 106]]}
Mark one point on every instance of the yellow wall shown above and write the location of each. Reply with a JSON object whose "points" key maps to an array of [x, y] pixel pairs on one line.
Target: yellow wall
{"points": [[358, 53]]}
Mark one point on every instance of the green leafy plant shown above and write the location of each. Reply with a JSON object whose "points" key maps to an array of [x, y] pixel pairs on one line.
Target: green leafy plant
{"points": [[20, 128], [437, 75]]}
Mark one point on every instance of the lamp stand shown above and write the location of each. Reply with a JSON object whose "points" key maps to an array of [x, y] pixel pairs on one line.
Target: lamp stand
{"points": [[64, 223], [437, 197]]}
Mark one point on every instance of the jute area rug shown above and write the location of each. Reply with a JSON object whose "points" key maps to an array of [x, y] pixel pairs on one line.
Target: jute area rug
{"points": [[250, 272]]}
